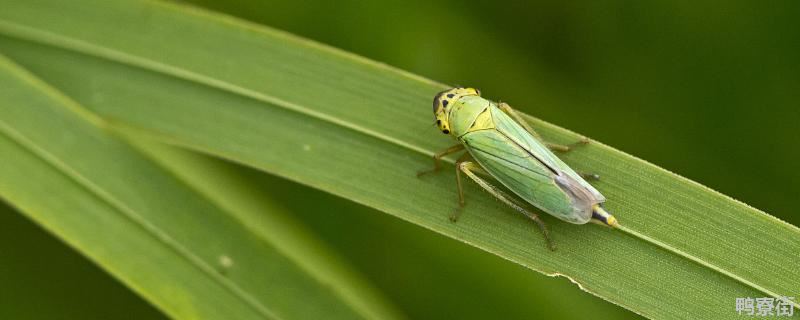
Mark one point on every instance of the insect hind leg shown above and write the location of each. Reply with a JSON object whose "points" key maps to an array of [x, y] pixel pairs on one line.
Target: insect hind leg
{"points": [[469, 168]]}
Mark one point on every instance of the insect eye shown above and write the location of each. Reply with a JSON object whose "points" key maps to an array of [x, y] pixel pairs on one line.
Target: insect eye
{"points": [[436, 101], [439, 122]]}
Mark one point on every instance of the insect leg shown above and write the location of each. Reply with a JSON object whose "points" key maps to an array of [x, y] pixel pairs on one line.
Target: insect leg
{"points": [[438, 157], [552, 146], [468, 167], [478, 170], [566, 148], [513, 114], [481, 171], [472, 169], [457, 213]]}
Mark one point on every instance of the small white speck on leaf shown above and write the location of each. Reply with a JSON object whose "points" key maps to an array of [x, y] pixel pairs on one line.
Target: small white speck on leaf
{"points": [[225, 263]]}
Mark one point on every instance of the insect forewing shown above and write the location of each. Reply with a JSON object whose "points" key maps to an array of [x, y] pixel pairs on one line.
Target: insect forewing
{"points": [[521, 173], [529, 169], [518, 134]]}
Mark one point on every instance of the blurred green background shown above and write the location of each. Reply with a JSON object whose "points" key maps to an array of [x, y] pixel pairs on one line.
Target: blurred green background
{"points": [[707, 90]]}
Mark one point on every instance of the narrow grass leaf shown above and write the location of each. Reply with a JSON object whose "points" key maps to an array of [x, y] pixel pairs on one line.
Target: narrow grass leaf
{"points": [[171, 244], [360, 130]]}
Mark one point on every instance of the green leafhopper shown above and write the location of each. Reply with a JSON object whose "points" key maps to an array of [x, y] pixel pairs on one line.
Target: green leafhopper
{"points": [[501, 145]]}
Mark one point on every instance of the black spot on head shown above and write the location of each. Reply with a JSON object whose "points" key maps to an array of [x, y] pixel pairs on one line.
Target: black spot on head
{"points": [[450, 95], [445, 102], [445, 131], [438, 121]]}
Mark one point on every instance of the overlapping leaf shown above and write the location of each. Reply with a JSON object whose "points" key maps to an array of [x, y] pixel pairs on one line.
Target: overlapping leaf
{"points": [[177, 244]]}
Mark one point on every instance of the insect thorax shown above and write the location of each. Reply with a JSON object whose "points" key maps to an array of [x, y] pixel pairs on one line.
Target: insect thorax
{"points": [[471, 113]]}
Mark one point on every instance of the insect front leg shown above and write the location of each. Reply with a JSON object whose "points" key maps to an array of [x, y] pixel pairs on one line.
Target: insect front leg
{"points": [[437, 158], [469, 168], [552, 146]]}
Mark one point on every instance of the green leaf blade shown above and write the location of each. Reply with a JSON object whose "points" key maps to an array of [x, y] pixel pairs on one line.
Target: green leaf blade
{"points": [[168, 243], [226, 186], [331, 120], [31, 165]]}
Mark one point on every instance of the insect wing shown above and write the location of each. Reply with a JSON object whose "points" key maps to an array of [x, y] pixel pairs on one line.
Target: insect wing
{"points": [[521, 173], [510, 128]]}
